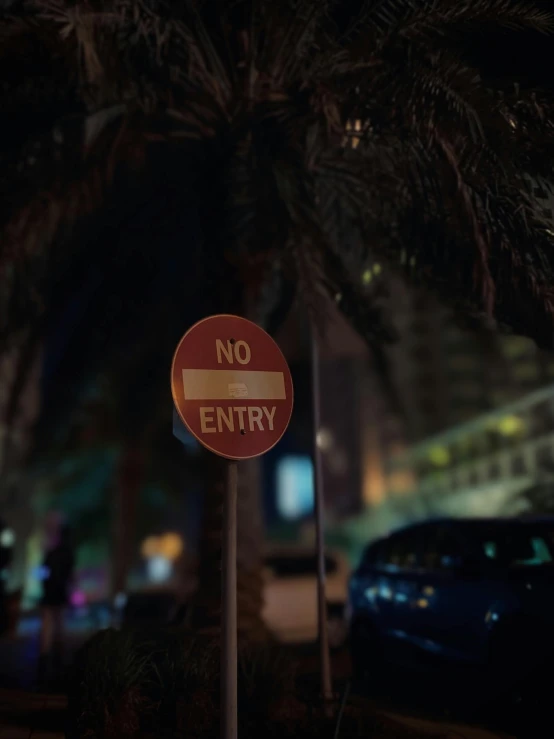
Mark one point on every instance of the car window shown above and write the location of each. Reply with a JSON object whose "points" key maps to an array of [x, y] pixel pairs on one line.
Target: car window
{"points": [[298, 565], [401, 550], [442, 549], [520, 546], [371, 555]]}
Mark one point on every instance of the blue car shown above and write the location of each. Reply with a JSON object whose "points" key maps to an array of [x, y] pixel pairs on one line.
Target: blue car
{"points": [[460, 592]]}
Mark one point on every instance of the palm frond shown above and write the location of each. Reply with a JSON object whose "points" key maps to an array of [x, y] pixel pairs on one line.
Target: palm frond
{"points": [[417, 20], [302, 150]]}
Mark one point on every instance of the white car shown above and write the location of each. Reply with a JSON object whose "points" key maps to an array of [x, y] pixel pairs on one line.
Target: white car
{"points": [[290, 594]]}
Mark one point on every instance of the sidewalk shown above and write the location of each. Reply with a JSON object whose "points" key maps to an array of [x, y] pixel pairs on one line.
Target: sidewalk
{"points": [[26, 715], [445, 730], [21, 712], [19, 654]]}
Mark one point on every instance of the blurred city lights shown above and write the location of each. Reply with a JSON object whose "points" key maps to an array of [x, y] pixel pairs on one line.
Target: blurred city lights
{"points": [[367, 276], [78, 599], [439, 456], [159, 568], [170, 546], [510, 425], [371, 272], [295, 487], [7, 538], [324, 439], [149, 547]]}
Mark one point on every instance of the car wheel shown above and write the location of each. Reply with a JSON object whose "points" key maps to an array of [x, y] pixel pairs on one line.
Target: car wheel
{"points": [[519, 650], [514, 647], [367, 654]]}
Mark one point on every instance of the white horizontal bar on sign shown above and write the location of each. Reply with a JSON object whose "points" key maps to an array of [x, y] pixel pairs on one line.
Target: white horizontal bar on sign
{"points": [[233, 385]]}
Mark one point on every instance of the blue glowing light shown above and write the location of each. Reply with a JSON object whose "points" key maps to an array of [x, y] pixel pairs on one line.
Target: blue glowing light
{"points": [[295, 487]]}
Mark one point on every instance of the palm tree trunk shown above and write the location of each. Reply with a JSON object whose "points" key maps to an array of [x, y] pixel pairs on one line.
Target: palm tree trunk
{"points": [[207, 605], [250, 543], [128, 482], [257, 303]]}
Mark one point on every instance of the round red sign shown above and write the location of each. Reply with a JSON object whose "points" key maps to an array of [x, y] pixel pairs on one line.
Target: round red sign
{"points": [[232, 387]]}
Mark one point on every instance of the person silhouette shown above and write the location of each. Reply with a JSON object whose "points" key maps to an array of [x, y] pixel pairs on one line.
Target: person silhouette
{"points": [[6, 554], [58, 567]]}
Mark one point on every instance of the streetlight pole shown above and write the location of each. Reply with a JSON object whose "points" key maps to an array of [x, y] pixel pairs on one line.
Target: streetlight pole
{"points": [[325, 663]]}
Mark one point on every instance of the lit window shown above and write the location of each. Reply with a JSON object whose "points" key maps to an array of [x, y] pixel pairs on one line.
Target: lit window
{"points": [[510, 426], [159, 568], [439, 456], [349, 139], [171, 546], [367, 277], [295, 487]]}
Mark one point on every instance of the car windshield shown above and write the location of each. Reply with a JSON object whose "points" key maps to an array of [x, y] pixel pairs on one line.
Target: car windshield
{"points": [[518, 546]]}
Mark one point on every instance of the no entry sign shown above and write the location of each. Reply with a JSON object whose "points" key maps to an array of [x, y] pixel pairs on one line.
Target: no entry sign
{"points": [[232, 387]]}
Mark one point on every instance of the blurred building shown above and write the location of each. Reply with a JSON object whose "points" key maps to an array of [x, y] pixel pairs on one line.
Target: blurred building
{"points": [[478, 407], [475, 411], [358, 431], [500, 453]]}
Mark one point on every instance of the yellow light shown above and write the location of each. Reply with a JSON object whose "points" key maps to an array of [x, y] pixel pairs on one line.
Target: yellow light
{"points": [[150, 547], [377, 269], [170, 546], [439, 456], [422, 603], [510, 426], [349, 140], [367, 277]]}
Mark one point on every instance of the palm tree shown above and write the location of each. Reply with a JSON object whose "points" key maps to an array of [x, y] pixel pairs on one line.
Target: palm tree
{"points": [[300, 147]]}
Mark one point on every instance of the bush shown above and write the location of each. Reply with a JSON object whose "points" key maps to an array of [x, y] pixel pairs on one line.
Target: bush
{"points": [[166, 685]]}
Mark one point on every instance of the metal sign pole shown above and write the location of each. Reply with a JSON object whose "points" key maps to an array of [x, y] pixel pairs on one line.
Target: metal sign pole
{"points": [[216, 425], [229, 607], [326, 686]]}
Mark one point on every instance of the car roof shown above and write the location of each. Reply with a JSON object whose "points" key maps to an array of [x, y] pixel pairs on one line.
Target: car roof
{"points": [[466, 522], [296, 550]]}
